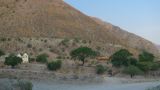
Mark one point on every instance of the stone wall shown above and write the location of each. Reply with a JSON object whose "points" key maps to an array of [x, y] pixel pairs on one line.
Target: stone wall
{"points": [[46, 75]]}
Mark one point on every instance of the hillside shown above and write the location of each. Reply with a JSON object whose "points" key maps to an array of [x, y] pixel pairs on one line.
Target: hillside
{"points": [[127, 39], [56, 19], [158, 47]]}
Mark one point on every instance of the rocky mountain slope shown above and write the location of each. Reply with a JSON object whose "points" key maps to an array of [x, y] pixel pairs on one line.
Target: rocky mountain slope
{"points": [[128, 39], [158, 47], [57, 19]]}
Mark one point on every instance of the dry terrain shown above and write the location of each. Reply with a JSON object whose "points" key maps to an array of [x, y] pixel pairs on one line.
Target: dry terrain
{"points": [[56, 19]]}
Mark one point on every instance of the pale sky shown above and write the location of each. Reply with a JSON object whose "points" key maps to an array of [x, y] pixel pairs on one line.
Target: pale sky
{"points": [[141, 17]]}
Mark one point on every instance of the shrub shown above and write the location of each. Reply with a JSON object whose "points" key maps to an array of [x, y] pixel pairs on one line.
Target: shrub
{"points": [[9, 39], [133, 70], [3, 39], [84, 41], [76, 40], [154, 88], [24, 85], [59, 57], [2, 53], [12, 60], [52, 50], [42, 58], [10, 84], [100, 69], [64, 42], [31, 60], [45, 41], [54, 65], [40, 49], [29, 45], [98, 48]]}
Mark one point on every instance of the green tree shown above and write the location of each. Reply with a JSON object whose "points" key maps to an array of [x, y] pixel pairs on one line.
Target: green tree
{"points": [[155, 66], [132, 61], [146, 62], [82, 53], [12, 60], [54, 65], [145, 66], [120, 58], [146, 56], [42, 58], [133, 70]]}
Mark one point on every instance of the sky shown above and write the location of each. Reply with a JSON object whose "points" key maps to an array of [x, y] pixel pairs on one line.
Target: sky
{"points": [[141, 17]]}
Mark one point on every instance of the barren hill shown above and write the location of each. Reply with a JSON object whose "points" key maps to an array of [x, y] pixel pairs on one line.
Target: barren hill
{"points": [[55, 18], [158, 47]]}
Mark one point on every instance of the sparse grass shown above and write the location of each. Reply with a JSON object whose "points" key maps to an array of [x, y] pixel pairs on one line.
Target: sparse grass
{"points": [[76, 40], [154, 88], [40, 49], [98, 48], [64, 42], [24, 85], [84, 41]]}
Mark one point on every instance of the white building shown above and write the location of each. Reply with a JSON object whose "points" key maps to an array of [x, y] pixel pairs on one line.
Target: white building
{"points": [[25, 57], [19, 55]]}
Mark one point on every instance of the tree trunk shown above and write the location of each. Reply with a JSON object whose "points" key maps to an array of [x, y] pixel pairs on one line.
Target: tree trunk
{"points": [[82, 62]]}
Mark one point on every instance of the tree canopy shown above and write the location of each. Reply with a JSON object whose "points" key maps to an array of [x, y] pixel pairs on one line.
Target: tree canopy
{"points": [[121, 58], [146, 56], [133, 66], [82, 53]]}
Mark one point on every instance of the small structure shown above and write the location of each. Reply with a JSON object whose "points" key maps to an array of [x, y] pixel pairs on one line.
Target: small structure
{"points": [[25, 57], [102, 58]]}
